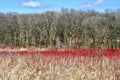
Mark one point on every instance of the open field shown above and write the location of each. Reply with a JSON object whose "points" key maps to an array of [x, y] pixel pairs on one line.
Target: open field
{"points": [[47, 64]]}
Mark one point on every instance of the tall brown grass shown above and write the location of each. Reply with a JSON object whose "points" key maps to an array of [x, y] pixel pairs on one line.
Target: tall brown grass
{"points": [[38, 67]]}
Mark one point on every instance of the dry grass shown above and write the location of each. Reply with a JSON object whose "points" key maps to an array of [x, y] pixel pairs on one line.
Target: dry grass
{"points": [[15, 67]]}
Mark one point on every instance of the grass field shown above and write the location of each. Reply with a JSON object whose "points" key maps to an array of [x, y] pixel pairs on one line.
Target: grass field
{"points": [[47, 64]]}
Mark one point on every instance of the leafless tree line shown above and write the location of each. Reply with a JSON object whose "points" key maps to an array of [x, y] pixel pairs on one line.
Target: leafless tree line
{"points": [[64, 29]]}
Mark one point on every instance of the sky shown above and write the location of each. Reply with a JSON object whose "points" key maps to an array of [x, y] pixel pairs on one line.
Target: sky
{"points": [[39, 6]]}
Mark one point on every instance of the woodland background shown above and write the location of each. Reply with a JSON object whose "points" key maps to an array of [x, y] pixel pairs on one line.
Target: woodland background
{"points": [[65, 29]]}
